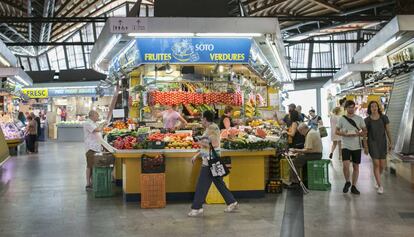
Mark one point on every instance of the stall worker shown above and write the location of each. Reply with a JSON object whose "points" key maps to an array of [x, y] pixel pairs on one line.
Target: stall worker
{"points": [[226, 122], [170, 118], [311, 151], [21, 117]]}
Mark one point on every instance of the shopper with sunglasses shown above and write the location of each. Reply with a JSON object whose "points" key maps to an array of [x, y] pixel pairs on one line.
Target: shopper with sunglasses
{"points": [[351, 128], [377, 145]]}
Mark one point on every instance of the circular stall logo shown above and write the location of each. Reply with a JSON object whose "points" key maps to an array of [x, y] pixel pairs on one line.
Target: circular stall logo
{"points": [[184, 51]]}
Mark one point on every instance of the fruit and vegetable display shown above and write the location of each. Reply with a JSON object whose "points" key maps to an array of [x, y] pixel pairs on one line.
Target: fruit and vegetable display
{"points": [[127, 139], [10, 131], [248, 144], [119, 124], [120, 133], [258, 135], [126, 143]]}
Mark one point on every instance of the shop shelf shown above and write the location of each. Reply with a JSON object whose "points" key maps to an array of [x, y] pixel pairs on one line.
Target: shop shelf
{"points": [[213, 195], [318, 175], [153, 191], [102, 182]]}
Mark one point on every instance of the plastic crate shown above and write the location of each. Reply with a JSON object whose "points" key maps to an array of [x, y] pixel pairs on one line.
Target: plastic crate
{"points": [[151, 165], [214, 196], [318, 175], [153, 191], [102, 182]]}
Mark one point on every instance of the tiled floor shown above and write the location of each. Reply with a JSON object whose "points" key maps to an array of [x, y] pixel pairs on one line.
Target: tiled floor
{"points": [[336, 214], [43, 195]]}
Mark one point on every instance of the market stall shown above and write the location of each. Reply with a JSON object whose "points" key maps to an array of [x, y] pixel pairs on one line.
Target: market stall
{"points": [[189, 66], [247, 147], [4, 151], [391, 53], [64, 107], [12, 80]]}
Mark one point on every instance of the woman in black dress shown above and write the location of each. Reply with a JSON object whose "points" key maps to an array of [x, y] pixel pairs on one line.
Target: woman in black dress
{"points": [[378, 131]]}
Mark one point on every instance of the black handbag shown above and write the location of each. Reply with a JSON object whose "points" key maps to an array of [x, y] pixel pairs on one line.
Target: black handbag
{"points": [[217, 167]]}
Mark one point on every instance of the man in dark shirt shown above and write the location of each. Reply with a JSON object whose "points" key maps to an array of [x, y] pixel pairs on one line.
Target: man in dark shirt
{"points": [[286, 119]]}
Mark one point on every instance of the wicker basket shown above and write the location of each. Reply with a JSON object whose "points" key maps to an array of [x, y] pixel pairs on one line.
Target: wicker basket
{"points": [[153, 191]]}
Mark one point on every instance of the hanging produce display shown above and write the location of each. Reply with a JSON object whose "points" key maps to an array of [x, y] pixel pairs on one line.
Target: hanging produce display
{"points": [[184, 97]]}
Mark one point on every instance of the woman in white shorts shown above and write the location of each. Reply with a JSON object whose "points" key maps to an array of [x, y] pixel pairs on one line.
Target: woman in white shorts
{"points": [[336, 140]]}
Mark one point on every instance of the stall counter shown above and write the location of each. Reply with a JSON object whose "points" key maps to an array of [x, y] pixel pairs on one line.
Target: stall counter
{"points": [[4, 151], [246, 179], [70, 133]]}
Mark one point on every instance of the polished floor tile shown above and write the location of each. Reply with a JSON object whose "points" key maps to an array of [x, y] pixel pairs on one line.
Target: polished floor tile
{"points": [[43, 195]]}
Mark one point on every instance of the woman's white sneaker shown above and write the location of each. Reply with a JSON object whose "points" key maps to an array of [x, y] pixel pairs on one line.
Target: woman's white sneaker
{"points": [[232, 207], [195, 212], [380, 190]]}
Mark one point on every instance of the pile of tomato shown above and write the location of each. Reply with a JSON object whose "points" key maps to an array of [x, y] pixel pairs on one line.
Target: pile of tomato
{"points": [[183, 97]]}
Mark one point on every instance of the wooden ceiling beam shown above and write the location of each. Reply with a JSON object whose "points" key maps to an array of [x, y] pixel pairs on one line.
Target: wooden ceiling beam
{"points": [[13, 5], [76, 13], [61, 7], [56, 36], [327, 5], [266, 7]]}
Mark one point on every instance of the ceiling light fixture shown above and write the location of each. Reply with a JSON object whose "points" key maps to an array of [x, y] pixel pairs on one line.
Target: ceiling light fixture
{"points": [[381, 48], [146, 34], [182, 34], [228, 34], [342, 77], [21, 80], [280, 62], [4, 61], [112, 42]]}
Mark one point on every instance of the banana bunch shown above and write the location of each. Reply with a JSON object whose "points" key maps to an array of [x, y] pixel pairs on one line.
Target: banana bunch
{"points": [[135, 103], [249, 109], [147, 109], [236, 114], [255, 123]]}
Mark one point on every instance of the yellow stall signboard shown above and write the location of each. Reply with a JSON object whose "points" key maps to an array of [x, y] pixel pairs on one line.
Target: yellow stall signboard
{"points": [[36, 93]]}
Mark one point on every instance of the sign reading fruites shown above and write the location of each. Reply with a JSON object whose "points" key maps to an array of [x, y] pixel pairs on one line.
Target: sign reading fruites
{"points": [[36, 93]]}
